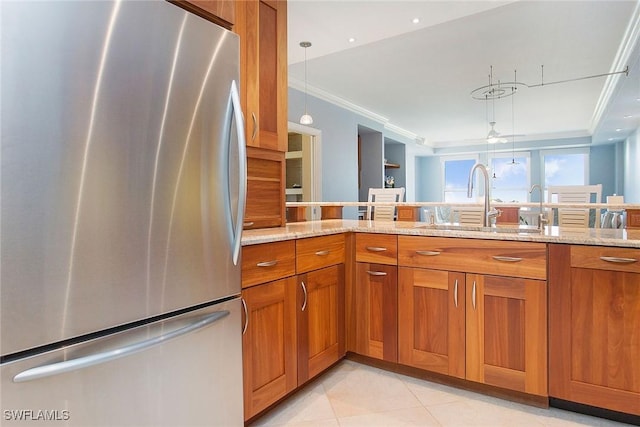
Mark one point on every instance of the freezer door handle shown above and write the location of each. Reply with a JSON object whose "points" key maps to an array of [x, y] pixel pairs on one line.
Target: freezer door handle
{"points": [[116, 353], [242, 170]]}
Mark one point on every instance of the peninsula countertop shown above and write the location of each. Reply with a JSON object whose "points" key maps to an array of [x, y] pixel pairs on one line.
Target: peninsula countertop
{"points": [[550, 234]]}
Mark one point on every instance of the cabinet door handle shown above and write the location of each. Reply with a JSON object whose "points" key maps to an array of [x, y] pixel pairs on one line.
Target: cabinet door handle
{"points": [[376, 273], [618, 259], [455, 293], [507, 258], [246, 316], [376, 249], [473, 295], [255, 126], [304, 290], [322, 253], [267, 263], [428, 253]]}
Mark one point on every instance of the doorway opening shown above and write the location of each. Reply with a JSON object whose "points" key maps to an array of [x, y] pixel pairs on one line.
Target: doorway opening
{"points": [[304, 168]]}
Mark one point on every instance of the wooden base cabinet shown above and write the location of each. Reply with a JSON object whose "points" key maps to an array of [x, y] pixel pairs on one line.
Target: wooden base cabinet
{"points": [[594, 324], [506, 332], [376, 309], [431, 322], [269, 344], [475, 310], [321, 341]]}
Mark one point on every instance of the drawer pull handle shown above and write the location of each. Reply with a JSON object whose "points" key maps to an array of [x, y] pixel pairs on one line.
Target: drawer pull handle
{"points": [[473, 295], [267, 263], [322, 253], [507, 258], [246, 316], [248, 224], [618, 259], [304, 290], [376, 249], [455, 293], [428, 253], [376, 273], [255, 126]]}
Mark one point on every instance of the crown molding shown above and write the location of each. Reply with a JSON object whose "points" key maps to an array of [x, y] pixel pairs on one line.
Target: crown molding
{"points": [[621, 60]]}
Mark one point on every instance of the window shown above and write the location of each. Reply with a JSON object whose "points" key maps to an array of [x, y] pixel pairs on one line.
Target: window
{"points": [[568, 167], [510, 178], [456, 176]]}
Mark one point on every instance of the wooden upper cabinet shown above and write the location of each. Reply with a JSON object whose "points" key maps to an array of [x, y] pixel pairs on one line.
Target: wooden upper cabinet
{"points": [[262, 25], [222, 12]]}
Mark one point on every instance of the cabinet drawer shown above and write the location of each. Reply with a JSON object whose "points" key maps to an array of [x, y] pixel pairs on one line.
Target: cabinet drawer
{"points": [[318, 252], [267, 262], [605, 258], [377, 248], [494, 257]]}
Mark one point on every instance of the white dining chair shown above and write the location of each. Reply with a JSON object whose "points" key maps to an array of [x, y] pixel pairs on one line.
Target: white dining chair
{"points": [[385, 195], [574, 217]]}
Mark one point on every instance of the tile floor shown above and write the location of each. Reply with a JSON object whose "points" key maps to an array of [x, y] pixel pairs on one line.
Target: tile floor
{"points": [[352, 394]]}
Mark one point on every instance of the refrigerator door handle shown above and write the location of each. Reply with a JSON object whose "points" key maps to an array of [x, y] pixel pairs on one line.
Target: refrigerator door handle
{"points": [[116, 353], [242, 170]]}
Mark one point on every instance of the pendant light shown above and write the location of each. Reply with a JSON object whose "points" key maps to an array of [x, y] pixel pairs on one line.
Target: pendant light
{"points": [[513, 121], [306, 119]]}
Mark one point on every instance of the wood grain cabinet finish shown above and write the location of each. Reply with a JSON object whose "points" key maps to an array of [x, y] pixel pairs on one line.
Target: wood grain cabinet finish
{"points": [[375, 324], [267, 262], [506, 332], [265, 202], [474, 309], [269, 344], [376, 317], [496, 257], [262, 25], [594, 324], [317, 252], [431, 320], [321, 334], [222, 12]]}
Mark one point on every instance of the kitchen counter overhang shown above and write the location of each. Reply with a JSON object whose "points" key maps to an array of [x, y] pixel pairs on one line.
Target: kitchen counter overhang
{"points": [[551, 234]]}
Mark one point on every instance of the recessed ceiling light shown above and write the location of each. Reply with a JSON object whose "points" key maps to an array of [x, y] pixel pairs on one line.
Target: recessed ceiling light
{"points": [[352, 39], [618, 130], [628, 116], [416, 20], [611, 139]]}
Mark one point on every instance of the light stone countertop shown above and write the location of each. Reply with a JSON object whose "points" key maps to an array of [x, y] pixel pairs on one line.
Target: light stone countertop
{"points": [[577, 236]]}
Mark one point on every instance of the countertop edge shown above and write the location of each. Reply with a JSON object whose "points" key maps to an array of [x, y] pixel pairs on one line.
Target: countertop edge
{"points": [[564, 235]]}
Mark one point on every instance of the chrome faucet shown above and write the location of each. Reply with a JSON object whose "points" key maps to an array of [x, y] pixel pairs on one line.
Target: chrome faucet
{"points": [[488, 212], [542, 217]]}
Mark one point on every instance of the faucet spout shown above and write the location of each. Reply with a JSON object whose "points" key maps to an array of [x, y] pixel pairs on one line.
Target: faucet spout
{"points": [[488, 212], [542, 218]]}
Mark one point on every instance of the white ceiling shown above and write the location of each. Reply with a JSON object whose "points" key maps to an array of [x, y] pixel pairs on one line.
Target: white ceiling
{"points": [[417, 78]]}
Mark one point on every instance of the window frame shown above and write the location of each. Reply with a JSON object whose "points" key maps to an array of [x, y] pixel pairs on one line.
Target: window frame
{"points": [[443, 161]]}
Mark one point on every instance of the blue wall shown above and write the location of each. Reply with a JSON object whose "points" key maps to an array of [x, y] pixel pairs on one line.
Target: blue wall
{"points": [[615, 166]]}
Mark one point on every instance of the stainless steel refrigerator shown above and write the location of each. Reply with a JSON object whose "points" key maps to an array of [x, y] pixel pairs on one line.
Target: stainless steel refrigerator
{"points": [[122, 197]]}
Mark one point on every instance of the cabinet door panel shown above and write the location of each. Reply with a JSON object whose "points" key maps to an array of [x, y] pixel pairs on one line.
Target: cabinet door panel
{"points": [[321, 340], [431, 320], [605, 322], [506, 332], [594, 328], [269, 344], [376, 311]]}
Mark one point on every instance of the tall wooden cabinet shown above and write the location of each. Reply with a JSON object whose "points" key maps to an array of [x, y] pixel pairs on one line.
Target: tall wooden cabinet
{"points": [[262, 26], [594, 324]]}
